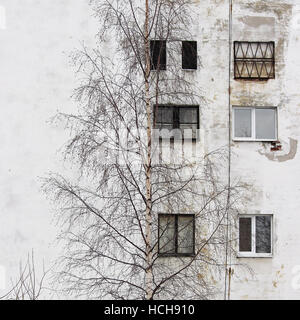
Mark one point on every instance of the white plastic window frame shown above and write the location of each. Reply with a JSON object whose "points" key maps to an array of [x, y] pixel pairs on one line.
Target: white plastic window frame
{"points": [[253, 253], [253, 128]]}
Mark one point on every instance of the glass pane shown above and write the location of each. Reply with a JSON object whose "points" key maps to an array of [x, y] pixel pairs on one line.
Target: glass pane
{"points": [[185, 234], [188, 115], [189, 55], [265, 123], [164, 126], [242, 123], [189, 131], [158, 54], [245, 230], [164, 115], [167, 234], [263, 234]]}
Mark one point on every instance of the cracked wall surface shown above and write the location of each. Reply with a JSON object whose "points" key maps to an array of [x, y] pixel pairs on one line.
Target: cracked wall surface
{"points": [[274, 174]]}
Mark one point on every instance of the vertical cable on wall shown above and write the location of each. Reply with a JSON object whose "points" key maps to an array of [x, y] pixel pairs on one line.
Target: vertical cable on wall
{"points": [[228, 229]]}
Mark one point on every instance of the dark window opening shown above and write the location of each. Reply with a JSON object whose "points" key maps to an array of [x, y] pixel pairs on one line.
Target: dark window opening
{"points": [[158, 54], [245, 234], [254, 60], [183, 118], [189, 55], [176, 234]]}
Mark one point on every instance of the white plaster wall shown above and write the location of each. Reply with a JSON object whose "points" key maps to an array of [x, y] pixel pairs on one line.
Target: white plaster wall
{"points": [[274, 176], [36, 80]]}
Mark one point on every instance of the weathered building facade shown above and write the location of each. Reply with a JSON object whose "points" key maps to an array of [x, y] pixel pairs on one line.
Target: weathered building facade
{"points": [[271, 171], [249, 78]]}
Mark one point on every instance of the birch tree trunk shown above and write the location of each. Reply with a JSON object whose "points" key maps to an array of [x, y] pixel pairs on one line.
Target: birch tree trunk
{"points": [[149, 275], [111, 214]]}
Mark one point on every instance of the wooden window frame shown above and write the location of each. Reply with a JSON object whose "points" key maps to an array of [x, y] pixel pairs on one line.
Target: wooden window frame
{"points": [[176, 123], [176, 253]]}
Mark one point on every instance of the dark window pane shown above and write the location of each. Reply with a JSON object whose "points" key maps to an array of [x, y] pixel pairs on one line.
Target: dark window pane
{"points": [[245, 234], [165, 115], [265, 123], [186, 234], [166, 233], [185, 119], [158, 54], [189, 54], [188, 115], [263, 234], [242, 123], [189, 131], [188, 122]]}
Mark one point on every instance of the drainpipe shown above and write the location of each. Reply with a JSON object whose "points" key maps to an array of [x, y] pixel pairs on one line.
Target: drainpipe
{"points": [[228, 272]]}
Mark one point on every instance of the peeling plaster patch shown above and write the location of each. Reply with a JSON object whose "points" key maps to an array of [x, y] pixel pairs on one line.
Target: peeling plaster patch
{"points": [[274, 156], [280, 9], [283, 13], [256, 22], [251, 26], [278, 276], [221, 25]]}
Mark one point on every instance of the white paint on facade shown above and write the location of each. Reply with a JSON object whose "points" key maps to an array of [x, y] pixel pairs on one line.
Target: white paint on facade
{"points": [[36, 80]]}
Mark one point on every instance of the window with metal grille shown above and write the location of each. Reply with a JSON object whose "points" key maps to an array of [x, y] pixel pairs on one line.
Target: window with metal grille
{"points": [[189, 55], [255, 235], [183, 118], [176, 234], [158, 54], [254, 60]]}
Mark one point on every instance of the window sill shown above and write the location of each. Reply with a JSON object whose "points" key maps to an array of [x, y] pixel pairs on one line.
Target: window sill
{"points": [[189, 70], [172, 139], [176, 255], [155, 70], [253, 79], [254, 255], [253, 140]]}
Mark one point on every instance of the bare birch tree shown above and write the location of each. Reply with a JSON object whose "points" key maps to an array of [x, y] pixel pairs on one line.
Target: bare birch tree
{"points": [[29, 285], [122, 239]]}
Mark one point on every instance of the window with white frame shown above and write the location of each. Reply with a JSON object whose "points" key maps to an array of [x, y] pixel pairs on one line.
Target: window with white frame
{"points": [[255, 236], [255, 123]]}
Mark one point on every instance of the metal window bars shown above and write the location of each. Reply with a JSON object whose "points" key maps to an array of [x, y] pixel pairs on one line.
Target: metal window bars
{"points": [[254, 60]]}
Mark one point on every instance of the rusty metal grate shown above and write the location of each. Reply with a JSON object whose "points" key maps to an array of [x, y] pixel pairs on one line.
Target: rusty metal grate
{"points": [[254, 60]]}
